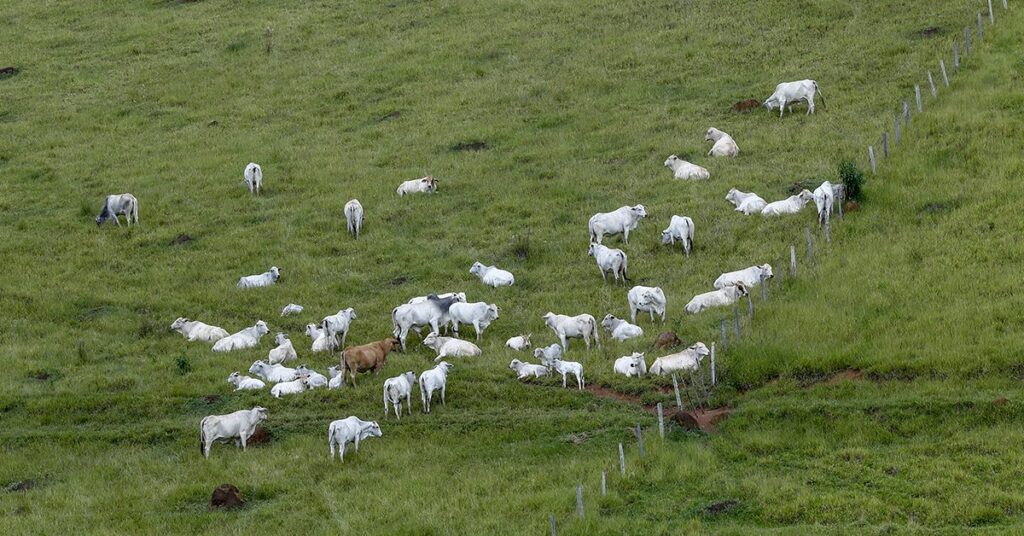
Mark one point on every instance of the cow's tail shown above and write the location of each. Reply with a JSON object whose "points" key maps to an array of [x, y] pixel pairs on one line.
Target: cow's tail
{"points": [[394, 323], [135, 210], [593, 331], [820, 94], [625, 263], [330, 435], [202, 436]]}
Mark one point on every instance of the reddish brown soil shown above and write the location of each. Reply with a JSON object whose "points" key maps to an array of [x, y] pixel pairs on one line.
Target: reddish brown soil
{"points": [[226, 496]]}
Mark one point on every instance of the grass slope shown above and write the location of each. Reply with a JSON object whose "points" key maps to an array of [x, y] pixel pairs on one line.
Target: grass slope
{"points": [[578, 105]]}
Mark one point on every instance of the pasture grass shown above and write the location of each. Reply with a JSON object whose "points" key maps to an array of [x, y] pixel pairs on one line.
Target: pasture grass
{"points": [[578, 106]]}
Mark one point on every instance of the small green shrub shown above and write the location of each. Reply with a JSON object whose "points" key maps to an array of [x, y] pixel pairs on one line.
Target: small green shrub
{"points": [[852, 177], [184, 367]]}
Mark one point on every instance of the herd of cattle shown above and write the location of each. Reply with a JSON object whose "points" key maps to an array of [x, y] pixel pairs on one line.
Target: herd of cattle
{"points": [[452, 310]]}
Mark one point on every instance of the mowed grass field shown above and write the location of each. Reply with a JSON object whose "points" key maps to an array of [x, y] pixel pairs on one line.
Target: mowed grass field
{"points": [[577, 107]]}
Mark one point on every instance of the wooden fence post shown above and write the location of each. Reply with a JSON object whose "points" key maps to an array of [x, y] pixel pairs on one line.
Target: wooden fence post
{"points": [[956, 57], [579, 500], [551, 517], [604, 483], [661, 420], [640, 440], [917, 97], [945, 77], [931, 83], [714, 375], [885, 144], [622, 460], [810, 246], [871, 157], [841, 201], [792, 260], [675, 387]]}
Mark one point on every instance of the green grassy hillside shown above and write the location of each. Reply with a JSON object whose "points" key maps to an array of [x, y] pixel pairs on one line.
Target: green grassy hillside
{"points": [[577, 106]]}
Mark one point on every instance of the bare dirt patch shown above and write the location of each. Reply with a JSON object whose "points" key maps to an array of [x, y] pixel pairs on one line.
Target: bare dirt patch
{"points": [[226, 496], [181, 239]]}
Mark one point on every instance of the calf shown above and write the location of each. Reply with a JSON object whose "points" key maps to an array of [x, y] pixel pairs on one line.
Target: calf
{"points": [[548, 353], [119, 204], [519, 343], [284, 351], [573, 327], [631, 366], [790, 205], [244, 382], [194, 330], [253, 178], [291, 309], [526, 370], [261, 280], [397, 388], [240, 424], [426, 185], [688, 359], [246, 338], [289, 388], [337, 378], [647, 299], [273, 373], [568, 367], [492, 276], [621, 330], [435, 379], [620, 221], [338, 323], [723, 145], [716, 298], [450, 347], [479, 314], [789, 92], [609, 260], [683, 170], [749, 277], [354, 217], [372, 356], [320, 341], [747, 203], [350, 430], [313, 378], [679, 228]]}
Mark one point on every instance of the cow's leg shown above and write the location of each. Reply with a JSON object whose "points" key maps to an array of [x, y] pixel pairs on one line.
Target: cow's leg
{"points": [[810, 104], [476, 326], [408, 402], [444, 387], [632, 313], [586, 339], [423, 398], [357, 442], [398, 409], [331, 444], [625, 235], [243, 437], [455, 328], [651, 312], [561, 337], [603, 276], [116, 220], [563, 380]]}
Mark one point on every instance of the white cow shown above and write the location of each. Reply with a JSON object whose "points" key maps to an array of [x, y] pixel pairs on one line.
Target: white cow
{"points": [[260, 280], [119, 204], [749, 277], [679, 228], [688, 359], [650, 300], [291, 309], [790, 205], [492, 275], [620, 329], [244, 382], [824, 198], [273, 373], [724, 144], [350, 430], [320, 341], [284, 351], [519, 343], [450, 347], [747, 203], [338, 323], [240, 424], [459, 297], [253, 178], [479, 315], [354, 217], [246, 338], [426, 185], [397, 388], [683, 170], [193, 330], [433, 313], [435, 379], [337, 380], [567, 367], [631, 366], [609, 260], [790, 92], [525, 370], [548, 353], [292, 387], [314, 380], [620, 221], [716, 298], [573, 327]]}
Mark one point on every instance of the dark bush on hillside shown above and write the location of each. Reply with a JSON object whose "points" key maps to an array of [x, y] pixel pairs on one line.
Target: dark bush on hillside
{"points": [[853, 178], [184, 367]]}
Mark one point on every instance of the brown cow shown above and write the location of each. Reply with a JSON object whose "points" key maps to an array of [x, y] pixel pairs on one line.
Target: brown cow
{"points": [[372, 356], [745, 106]]}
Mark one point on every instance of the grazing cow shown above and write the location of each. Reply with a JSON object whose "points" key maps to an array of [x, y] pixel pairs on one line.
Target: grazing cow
{"points": [[292, 387], [679, 228], [790, 205], [724, 144], [397, 388], [261, 280], [688, 359], [320, 341], [350, 430], [314, 380], [253, 178], [338, 323], [620, 329], [244, 382], [337, 380], [354, 217], [525, 370], [450, 347], [273, 373], [716, 298], [747, 203], [372, 356], [433, 313], [647, 299], [119, 204], [620, 221], [573, 327], [492, 275], [193, 330], [479, 315], [240, 424], [426, 185], [435, 379], [666, 339], [745, 105], [284, 351], [683, 170], [567, 367], [824, 198], [548, 353], [609, 260], [631, 366], [291, 309], [749, 277], [519, 343], [790, 92], [246, 338]]}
